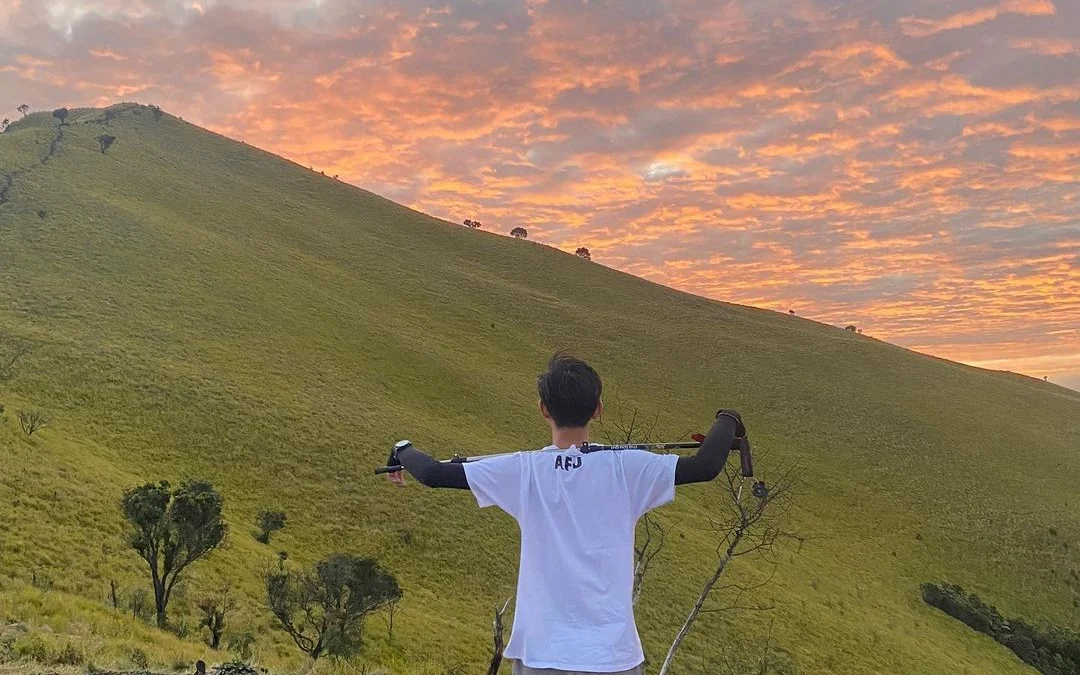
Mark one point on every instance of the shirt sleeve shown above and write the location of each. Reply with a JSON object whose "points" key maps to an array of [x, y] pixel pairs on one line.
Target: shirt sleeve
{"points": [[497, 482], [650, 479]]}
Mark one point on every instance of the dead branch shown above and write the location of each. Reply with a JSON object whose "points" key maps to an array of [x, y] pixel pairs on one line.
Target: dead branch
{"points": [[753, 526], [497, 638]]}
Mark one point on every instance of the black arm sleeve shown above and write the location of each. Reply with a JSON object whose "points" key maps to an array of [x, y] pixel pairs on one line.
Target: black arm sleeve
{"points": [[430, 471], [710, 458]]}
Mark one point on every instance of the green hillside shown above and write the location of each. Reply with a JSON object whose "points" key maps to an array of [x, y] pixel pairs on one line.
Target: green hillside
{"points": [[198, 307]]}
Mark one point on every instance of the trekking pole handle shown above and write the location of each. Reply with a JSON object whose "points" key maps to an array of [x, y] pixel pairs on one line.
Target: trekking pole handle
{"points": [[746, 458]]}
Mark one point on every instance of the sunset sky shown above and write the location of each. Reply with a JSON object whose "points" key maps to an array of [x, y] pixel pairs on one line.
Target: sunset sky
{"points": [[909, 166]]}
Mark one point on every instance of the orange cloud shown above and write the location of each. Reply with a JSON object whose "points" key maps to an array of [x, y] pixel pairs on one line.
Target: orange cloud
{"points": [[841, 165], [917, 27]]}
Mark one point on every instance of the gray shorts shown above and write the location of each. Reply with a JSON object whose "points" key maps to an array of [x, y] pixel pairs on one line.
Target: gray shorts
{"points": [[520, 669]]}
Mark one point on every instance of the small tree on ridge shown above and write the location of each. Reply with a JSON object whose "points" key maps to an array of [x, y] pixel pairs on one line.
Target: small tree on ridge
{"points": [[105, 141]]}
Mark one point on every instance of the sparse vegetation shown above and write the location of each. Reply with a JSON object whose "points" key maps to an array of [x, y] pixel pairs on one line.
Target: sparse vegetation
{"points": [[471, 224]]}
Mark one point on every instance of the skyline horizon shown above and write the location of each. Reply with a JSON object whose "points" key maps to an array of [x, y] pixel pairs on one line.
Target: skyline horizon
{"points": [[1068, 382]]}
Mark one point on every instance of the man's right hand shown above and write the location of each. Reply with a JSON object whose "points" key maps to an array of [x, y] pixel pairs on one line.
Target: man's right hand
{"points": [[395, 477]]}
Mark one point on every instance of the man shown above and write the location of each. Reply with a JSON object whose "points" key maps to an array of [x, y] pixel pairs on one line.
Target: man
{"points": [[577, 513]]}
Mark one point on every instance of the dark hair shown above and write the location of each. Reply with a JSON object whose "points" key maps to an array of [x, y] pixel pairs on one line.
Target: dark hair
{"points": [[570, 390]]}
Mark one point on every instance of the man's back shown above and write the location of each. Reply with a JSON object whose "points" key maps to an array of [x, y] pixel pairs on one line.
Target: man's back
{"points": [[577, 514]]}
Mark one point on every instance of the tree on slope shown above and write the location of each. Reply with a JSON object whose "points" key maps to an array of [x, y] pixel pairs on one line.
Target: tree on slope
{"points": [[323, 609], [172, 529]]}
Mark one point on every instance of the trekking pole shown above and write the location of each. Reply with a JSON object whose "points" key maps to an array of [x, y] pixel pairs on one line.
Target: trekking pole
{"points": [[745, 457]]}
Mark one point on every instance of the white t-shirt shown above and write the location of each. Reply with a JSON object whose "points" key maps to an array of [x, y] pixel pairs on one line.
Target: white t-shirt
{"points": [[577, 513]]}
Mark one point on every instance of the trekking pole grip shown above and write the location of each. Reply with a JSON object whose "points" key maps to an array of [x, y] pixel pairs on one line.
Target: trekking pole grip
{"points": [[746, 458]]}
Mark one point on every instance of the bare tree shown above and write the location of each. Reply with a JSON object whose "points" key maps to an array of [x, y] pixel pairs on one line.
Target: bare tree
{"points": [[114, 594], [497, 639], [753, 526], [31, 421], [139, 603], [12, 350], [647, 545], [391, 610], [214, 610], [618, 426], [24, 109]]}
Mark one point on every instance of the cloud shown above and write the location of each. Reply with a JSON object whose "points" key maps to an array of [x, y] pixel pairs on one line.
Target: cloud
{"points": [[920, 27], [910, 168]]}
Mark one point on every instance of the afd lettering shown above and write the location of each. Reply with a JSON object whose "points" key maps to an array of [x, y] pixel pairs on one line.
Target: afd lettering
{"points": [[567, 463]]}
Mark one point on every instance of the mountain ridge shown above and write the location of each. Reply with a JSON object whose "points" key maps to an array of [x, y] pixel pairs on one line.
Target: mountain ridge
{"points": [[201, 307]]}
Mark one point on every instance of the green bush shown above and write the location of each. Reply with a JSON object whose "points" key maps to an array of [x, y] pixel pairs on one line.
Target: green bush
{"points": [[33, 647], [1052, 650], [70, 655]]}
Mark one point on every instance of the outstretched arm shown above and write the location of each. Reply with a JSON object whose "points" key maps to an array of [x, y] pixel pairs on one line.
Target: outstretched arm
{"points": [[430, 471], [710, 458]]}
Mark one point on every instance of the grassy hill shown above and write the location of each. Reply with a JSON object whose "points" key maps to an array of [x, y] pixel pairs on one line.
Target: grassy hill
{"points": [[198, 307]]}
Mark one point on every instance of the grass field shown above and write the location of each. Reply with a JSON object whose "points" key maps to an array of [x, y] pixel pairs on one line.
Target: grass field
{"points": [[198, 307]]}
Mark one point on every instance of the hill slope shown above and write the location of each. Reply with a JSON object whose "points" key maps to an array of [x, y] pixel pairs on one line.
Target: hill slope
{"points": [[201, 308]]}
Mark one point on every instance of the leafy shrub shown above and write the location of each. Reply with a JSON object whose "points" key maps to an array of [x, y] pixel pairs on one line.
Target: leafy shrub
{"points": [[240, 646], [33, 647], [269, 522], [70, 655], [236, 667]]}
